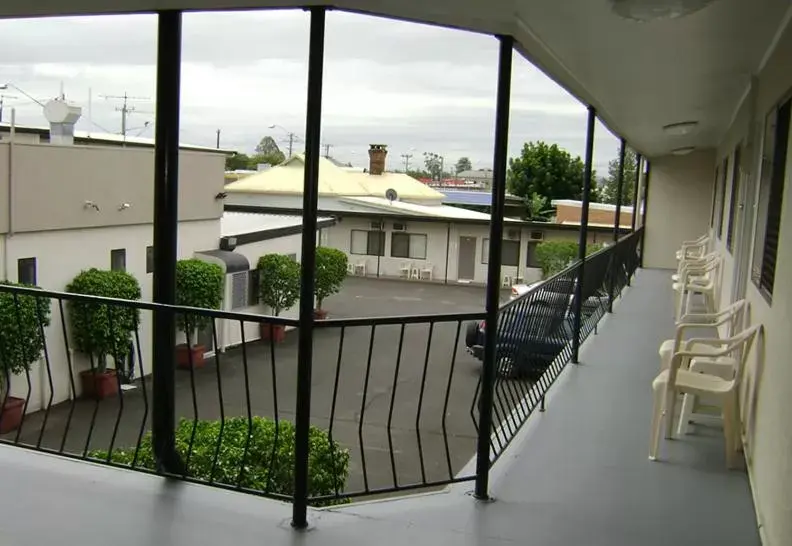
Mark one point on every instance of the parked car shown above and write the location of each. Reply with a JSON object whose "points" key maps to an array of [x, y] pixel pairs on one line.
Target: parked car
{"points": [[531, 334]]}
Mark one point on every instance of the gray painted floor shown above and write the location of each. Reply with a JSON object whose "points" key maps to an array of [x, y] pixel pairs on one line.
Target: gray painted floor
{"points": [[577, 474]]}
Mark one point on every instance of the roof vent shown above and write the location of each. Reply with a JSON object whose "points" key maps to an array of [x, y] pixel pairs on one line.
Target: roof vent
{"points": [[62, 117]]}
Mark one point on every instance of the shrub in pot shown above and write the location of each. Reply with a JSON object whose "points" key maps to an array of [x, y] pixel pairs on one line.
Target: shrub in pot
{"points": [[279, 278], [331, 271], [100, 330], [22, 319], [198, 284], [237, 441]]}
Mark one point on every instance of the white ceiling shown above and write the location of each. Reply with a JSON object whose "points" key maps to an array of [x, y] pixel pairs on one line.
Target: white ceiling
{"points": [[639, 76]]}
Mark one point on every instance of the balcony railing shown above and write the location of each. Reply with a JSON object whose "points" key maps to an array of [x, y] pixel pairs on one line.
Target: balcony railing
{"points": [[391, 394]]}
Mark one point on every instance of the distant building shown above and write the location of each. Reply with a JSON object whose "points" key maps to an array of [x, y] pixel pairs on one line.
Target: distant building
{"points": [[479, 176], [568, 212]]}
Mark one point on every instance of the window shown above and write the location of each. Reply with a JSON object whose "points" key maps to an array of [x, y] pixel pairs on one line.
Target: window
{"points": [[510, 252], [149, 259], [253, 287], [239, 289], [118, 259], [408, 245], [771, 191], [26, 271], [735, 194], [722, 197], [293, 257], [371, 243], [714, 198], [531, 259]]}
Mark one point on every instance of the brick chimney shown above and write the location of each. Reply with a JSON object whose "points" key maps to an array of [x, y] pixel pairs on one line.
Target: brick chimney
{"points": [[377, 155]]}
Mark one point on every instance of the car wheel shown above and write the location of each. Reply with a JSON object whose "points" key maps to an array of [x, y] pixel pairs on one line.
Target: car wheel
{"points": [[472, 334], [506, 366]]}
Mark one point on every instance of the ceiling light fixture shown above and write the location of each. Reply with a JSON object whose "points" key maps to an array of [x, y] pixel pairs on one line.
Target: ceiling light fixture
{"points": [[652, 10], [680, 129], [685, 150]]}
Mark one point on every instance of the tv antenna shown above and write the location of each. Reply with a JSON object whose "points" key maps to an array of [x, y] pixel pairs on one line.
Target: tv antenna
{"points": [[125, 108]]}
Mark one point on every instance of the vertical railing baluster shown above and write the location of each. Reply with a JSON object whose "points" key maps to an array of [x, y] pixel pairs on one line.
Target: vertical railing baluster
{"points": [[47, 363], [220, 401], [446, 399], [246, 451], [191, 323], [363, 409], [392, 401], [116, 359], [144, 389], [333, 409], [70, 367], [275, 411], [420, 402]]}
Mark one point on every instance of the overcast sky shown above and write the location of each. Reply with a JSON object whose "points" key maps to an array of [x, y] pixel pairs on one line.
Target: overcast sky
{"points": [[416, 88]]}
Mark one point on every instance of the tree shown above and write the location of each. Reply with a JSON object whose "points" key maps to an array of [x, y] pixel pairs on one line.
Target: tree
{"points": [[331, 271], [611, 184], [267, 146], [274, 158], [434, 164], [237, 162], [463, 164], [279, 278], [537, 208], [548, 171]]}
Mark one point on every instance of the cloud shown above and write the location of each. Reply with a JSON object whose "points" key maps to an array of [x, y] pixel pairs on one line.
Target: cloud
{"points": [[416, 87]]}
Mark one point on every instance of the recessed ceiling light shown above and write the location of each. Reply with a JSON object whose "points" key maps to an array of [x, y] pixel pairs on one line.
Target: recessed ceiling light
{"points": [[681, 128], [685, 150], [651, 10]]}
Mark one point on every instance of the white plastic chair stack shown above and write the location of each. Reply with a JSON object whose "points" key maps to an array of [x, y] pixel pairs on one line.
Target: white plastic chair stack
{"points": [[693, 249], [677, 379], [700, 278]]}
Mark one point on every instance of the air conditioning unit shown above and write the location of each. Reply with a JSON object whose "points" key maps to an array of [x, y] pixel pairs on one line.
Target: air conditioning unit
{"points": [[376, 225], [513, 234], [399, 226], [536, 236]]}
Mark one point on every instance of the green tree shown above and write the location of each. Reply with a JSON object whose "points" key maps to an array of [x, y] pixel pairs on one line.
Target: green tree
{"points": [[274, 158], [463, 164], [434, 164], [331, 271], [537, 208], [237, 162], [548, 171], [611, 184], [267, 146]]}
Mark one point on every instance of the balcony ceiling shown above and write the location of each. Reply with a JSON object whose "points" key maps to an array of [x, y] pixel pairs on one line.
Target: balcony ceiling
{"points": [[639, 76]]}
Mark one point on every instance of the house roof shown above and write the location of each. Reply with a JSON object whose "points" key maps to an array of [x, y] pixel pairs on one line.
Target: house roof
{"points": [[596, 206], [480, 198], [383, 206], [105, 139], [287, 178]]}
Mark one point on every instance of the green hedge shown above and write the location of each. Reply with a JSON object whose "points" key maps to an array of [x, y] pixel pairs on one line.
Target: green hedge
{"points": [[198, 284], [554, 256], [328, 464], [100, 329], [331, 271], [279, 278], [22, 318]]}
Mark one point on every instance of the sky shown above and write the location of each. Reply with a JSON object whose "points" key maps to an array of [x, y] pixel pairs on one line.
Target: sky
{"points": [[416, 88]]}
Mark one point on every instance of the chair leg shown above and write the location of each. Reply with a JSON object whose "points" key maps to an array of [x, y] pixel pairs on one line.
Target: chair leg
{"points": [[688, 402], [657, 417], [729, 430], [670, 407]]}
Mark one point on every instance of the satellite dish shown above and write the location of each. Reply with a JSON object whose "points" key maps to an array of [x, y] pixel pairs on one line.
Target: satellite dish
{"points": [[391, 195]]}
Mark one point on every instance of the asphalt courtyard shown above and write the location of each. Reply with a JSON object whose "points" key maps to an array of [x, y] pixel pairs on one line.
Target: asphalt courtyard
{"points": [[402, 404]]}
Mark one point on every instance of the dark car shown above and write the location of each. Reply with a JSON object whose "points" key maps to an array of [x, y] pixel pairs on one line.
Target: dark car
{"points": [[532, 332]]}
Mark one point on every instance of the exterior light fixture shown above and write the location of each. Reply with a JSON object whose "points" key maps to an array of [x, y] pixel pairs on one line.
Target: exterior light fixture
{"points": [[680, 129], [652, 10], [685, 150]]}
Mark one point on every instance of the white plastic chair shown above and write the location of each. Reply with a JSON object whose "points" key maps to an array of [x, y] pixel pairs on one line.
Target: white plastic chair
{"points": [[404, 270], [415, 273], [360, 267], [676, 380], [507, 281], [704, 280], [350, 268], [687, 263], [693, 249], [427, 270]]}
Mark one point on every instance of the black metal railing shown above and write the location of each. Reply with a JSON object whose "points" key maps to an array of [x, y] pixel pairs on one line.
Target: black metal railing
{"points": [[395, 400]]}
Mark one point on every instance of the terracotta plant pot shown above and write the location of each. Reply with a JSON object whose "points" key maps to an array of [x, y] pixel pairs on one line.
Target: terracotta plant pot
{"points": [[274, 332], [320, 314], [11, 414], [183, 356], [99, 385]]}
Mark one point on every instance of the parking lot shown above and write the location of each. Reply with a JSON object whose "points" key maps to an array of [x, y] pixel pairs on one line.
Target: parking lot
{"points": [[403, 399]]}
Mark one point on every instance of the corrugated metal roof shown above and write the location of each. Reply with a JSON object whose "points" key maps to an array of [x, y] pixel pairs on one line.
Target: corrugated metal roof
{"points": [[467, 197], [287, 178], [240, 223], [434, 211]]}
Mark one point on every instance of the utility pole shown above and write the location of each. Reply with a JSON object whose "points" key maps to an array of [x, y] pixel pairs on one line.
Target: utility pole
{"points": [[291, 143], [125, 108], [327, 150], [406, 158], [2, 99], [218, 139]]}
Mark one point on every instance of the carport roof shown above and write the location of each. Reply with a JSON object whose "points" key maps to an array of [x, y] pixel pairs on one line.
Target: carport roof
{"points": [[249, 227]]}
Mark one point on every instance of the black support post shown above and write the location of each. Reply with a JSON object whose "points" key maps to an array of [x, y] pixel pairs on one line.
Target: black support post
{"points": [[617, 220], [166, 195], [448, 250], [500, 160], [313, 129], [643, 216], [584, 215]]}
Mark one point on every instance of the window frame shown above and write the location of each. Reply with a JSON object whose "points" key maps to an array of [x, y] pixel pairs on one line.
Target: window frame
{"points": [[22, 266], [368, 251], [409, 236], [149, 259], [485, 252], [117, 254]]}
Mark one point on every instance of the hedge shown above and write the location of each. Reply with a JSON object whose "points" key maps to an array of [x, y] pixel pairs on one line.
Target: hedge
{"points": [[555, 256], [22, 319], [331, 271], [198, 284]]}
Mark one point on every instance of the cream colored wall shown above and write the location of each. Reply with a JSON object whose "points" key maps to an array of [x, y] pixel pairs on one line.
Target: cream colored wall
{"points": [[678, 205], [51, 185], [768, 435]]}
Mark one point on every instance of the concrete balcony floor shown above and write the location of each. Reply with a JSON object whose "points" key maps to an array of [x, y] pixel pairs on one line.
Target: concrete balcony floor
{"points": [[576, 474]]}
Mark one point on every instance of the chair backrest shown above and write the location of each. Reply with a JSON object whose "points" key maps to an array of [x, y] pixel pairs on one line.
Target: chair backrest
{"points": [[708, 268]]}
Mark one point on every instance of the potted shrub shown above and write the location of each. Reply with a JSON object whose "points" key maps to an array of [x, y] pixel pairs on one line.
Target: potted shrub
{"points": [[331, 270], [198, 284], [280, 287], [22, 319], [100, 330]]}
